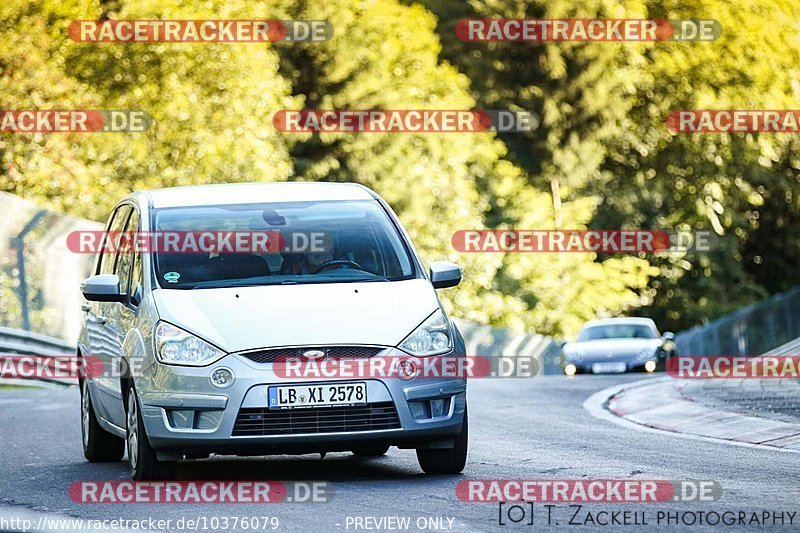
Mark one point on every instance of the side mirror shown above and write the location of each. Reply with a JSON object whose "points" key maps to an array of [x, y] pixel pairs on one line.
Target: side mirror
{"points": [[445, 274], [102, 288], [136, 295], [668, 336]]}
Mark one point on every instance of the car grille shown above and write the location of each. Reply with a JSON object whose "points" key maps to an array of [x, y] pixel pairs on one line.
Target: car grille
{"points": [[370, 417], [272, 355]]}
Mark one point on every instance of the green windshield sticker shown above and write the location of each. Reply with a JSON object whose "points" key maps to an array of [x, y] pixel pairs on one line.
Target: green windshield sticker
{"points": [[172, 277]]}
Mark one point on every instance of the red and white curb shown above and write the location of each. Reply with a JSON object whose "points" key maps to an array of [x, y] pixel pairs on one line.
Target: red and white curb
{"points": [[657, 405]]}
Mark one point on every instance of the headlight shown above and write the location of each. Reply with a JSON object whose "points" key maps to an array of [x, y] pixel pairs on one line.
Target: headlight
{"points": [[646, 353], [573, 354], [432, 337], [175, 346]]}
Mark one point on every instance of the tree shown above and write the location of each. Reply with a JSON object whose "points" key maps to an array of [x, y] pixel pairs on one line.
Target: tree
{"points": [[742, 186]]}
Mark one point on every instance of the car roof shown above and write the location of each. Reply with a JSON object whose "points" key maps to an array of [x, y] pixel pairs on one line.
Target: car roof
{"points": [[621, 320], [245, 193]]}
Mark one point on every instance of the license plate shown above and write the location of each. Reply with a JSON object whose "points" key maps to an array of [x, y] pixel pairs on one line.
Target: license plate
{"points": [[305, 396], [609, 368]]}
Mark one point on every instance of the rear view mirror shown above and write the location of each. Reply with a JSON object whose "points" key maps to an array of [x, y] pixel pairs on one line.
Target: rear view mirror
{"points": [[445, 274], [102, 288]]}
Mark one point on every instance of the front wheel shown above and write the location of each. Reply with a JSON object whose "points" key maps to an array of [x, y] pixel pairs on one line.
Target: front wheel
{"points": [[663, 363], [447, 461], [99, 446], [142, 459]]}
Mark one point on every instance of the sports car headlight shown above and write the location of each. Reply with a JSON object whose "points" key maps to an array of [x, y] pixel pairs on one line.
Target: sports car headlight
{"points": [[646, 353], [432, 337], [175, 346], [573, 354]]}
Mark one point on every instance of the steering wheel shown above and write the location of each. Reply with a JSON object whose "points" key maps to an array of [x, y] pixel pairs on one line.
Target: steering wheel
{"points": [[336, 263]]}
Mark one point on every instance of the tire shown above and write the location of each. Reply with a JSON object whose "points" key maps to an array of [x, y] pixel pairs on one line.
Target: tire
{"points": [[142, 459], [373, 451], [663, 363], [448, 461], [99, 446]]}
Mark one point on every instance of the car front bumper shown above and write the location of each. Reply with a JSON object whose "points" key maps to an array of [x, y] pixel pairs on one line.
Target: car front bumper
{"points": [[632, 364], [185, 414]]}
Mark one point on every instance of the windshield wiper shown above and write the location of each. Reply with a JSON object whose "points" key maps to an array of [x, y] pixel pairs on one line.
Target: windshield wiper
{"points": [[223, 284], [229, 284]]}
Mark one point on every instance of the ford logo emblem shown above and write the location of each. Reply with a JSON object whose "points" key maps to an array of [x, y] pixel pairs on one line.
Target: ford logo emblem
{"points": [[313, 354]]}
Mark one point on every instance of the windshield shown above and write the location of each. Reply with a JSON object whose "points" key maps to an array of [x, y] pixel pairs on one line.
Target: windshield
{"points": [[617, 331], [320, 242]]}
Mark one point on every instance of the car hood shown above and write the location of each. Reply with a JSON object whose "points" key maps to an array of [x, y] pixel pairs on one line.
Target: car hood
{"points": [[242, 318], [610, 349]]}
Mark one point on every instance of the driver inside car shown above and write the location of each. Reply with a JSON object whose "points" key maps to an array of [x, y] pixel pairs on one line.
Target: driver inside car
{"points": [[304, 264]]}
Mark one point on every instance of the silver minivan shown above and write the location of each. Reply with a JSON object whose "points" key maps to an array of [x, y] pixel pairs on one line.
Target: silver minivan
{"points": [[195, 338]]}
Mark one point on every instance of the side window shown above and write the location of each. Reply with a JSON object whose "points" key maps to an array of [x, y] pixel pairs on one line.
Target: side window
{"points": [[127, 254], [106, 228], [107, 260], [137, 280]]}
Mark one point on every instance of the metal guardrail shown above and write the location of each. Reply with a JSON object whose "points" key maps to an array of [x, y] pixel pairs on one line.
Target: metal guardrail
{"points": [[18, 342], [493, 342], [789, 349], [29, 343], [753, 330], [39, 275]]}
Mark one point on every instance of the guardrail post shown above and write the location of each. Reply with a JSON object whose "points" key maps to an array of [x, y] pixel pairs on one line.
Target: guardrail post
{"points": [[19, 243]]}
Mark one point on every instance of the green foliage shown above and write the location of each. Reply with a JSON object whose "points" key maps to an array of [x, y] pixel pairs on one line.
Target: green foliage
{"points": [[742, 186], [579, 92], [602, 137]]}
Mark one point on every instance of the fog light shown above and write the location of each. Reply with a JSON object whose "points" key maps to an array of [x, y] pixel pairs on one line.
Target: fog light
{"points": [[181, 418], [650, 366], [418, 410], [437, 408], [570, 370], [222, 378]]}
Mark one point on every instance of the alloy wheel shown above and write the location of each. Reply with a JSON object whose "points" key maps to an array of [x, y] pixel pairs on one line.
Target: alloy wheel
{"points": [[85, 414], [133, 431]]}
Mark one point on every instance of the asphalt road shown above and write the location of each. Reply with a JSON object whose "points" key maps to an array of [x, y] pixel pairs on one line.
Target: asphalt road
{"points": [[520, 429]]}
